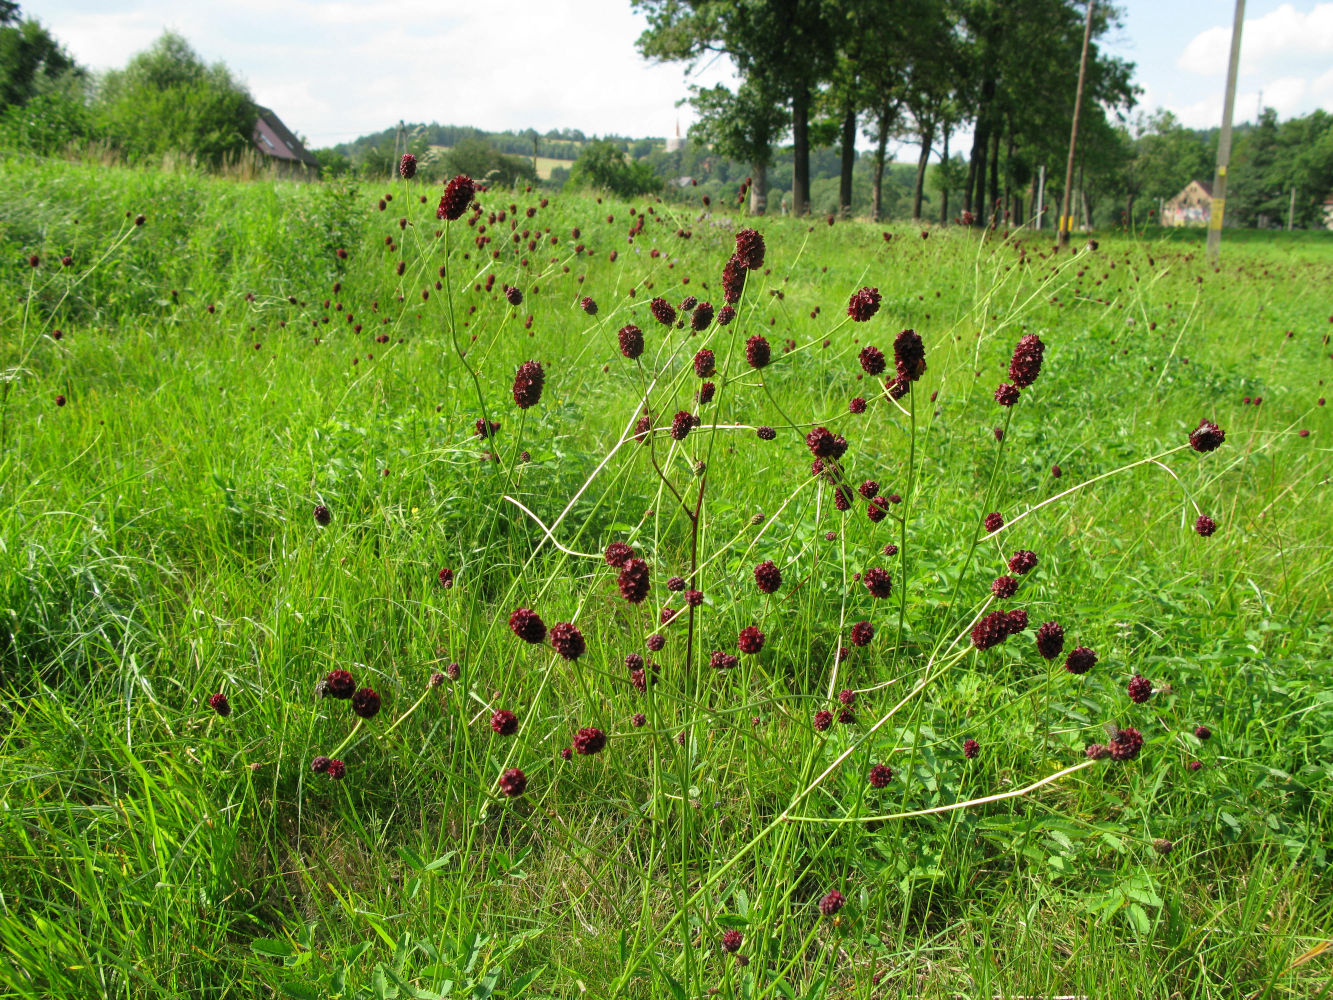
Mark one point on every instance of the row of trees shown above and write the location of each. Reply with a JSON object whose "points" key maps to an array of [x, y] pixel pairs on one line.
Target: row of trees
{"points": [[821, 70]]}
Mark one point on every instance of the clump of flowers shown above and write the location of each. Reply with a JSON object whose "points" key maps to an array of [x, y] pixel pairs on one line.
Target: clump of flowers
{"points": [[750, 640], [749, 250], [631, 341], [767, 576], [663, 311], [863, 304], [589, 740], [1050, 640], [1080, 660], [567, 640], [634, 581], [757, 351], [1025, 365], [527, 625], [878, 581], [513, 783], [457, 196], [1207, 436], [528, 383]]}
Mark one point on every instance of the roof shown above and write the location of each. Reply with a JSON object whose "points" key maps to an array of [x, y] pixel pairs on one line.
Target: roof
{"points": [[273, 138], [1206, 185]]}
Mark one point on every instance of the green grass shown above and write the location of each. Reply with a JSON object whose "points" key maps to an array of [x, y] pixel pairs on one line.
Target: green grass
{"points": [[157, 545]]}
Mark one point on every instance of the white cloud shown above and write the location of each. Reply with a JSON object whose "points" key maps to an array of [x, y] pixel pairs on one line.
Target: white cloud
{"points": [[1271, 42]]}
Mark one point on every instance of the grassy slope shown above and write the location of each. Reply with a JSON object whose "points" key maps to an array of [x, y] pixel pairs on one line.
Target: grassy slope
{"points": [[158, 546]]}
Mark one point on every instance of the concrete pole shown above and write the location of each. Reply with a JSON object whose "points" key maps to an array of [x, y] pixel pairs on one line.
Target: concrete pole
{"points": [[1291, 210], [1073, 132], [1224, 140], [1041, 195]]}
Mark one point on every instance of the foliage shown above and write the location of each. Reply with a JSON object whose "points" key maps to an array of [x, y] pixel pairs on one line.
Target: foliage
{"points": [[167, 100], [480, 160], [31, 60], [602, 165]]}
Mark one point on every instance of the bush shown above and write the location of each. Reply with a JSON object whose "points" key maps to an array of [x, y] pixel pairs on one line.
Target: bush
{"points": [[602, 165]]}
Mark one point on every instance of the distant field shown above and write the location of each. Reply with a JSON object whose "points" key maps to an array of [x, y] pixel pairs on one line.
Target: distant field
{"points": [[545, 164], [253, 457]]}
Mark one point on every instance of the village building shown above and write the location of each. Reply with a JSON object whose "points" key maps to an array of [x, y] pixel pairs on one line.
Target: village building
{"points": [[1192, 207], [280, 147]]}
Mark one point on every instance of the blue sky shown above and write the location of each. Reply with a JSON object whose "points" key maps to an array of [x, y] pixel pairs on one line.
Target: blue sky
{"points": [[336, 69]]}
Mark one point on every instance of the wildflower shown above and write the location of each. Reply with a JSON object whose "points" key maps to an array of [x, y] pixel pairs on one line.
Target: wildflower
{"points": [[880, 776], [823, 443], [1004, 587], [513, 782], [725, 315], [1203, 733], [750, 640], [633, 581], [862, 633], [1207, 436], [732, 940], [567, 640], [971, 748], [749, 250], [757, 351], [878, 582], [842, 498], [218, 703], [366, 703], [1016, 620], [618, 553], [863, 304], [1022, 562], [452, 671], [857, 405], [702, 316], [872, 360], [681, 424], [676, 584], [1006, 394], [482, 431], [1140, 689], [457, 194], [1050, 640], [1205, 525], [631, 341], [1163, 847], [1025, 365], [1080, 660], [336, 770], [705, 364], [1097, 751], [890, 549], [663, 311], [527, 625], [407, 167], [869, 489], [688, 303], [765, 433], [991, 630], [1126, 744], [322, 515], [339, 684], [320, 765], [1195, 765], [589, 741], [994, 522], [733, 281], [720, 660], [706, 391], [513, 295], [909, 355], [528, 382], [437, 679], [504, 722], [638, 720], [831, 903], [694, 598]]}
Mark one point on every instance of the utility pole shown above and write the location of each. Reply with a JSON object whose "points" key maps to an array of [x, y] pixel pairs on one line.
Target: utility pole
{"points": [[1291, 210], [1041, 195], [1224, 140], [1073, 132]]}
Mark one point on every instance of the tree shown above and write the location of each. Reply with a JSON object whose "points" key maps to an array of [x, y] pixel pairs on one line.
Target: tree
{"points": [[784, 47], [602, 165], [31, 61], [741, 126], [480, 160], [167, 99]]}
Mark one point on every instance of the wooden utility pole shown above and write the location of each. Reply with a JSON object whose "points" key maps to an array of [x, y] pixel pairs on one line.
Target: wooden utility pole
{"points": [[1065, 220], [1291, 209], [1041, 196], [1224, 140]]}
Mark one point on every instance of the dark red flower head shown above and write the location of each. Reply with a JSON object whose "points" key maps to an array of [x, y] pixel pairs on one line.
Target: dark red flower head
{"points": [[706, 392], [528, 383], [823, 719], [705, 364], [513, 783], [1140, 689], [1004, 587], [1025, 365], [994, 522], [567, 640], [457, 196], [857, 404], [504, 722], [1022, 562], [732, 940], [862, 633], [589, 741], [872, 360], [909, 355], [765, 433], [991, 630], [366, 703], [618, 553], [688, 303], [1126, 744], [880, 776], [633, 581], [723, 661], [445, 577], [218, 703], [1006, 394], [1203, 733], [1097, 751], [725, 315], [514, 296], [322, 515], [336, 770], [767, 576], [1205, 525], [631, 341], [339, 684], [1050, 640], [1017, 620], [702, 316], [663, 311], [862, 305], [749, 250], [733, 283], [750, 640], [320, 765], [878, 581], [823, 443], [1080, 660], [407, 167], [681, 424], [971, 748], [656, 642], [527, 625], [831, 903], [757, 351], [588, 305], [1207, 436]]}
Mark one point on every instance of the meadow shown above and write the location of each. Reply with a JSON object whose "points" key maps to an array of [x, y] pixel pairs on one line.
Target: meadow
{"points": [[265, 446]]}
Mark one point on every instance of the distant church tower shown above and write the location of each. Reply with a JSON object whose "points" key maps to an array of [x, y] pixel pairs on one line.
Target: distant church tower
{"points": [[674, 143]]}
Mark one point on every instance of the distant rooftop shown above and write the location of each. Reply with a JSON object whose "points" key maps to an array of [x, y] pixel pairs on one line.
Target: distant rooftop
{"points": [[273, 138]]}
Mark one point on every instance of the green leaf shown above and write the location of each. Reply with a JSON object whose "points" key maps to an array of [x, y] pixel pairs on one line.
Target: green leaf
{"points": [[1138, 918], [272, 948]]}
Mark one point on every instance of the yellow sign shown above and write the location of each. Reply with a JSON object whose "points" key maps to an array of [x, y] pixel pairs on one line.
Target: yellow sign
{"points": [[1215, 220]]}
